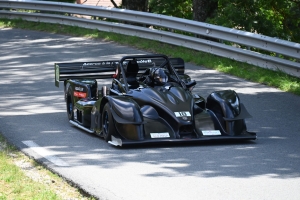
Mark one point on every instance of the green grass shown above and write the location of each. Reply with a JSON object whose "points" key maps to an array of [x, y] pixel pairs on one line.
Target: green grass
{"points": [[14, 184], [246, 71], [30, 180]]}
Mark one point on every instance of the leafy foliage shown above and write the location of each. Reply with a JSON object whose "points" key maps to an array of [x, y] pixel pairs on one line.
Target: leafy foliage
{"points": [[175, 8], [275, 18]]}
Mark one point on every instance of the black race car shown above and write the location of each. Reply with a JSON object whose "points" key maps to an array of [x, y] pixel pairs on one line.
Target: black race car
{"points": [[150, 100]]}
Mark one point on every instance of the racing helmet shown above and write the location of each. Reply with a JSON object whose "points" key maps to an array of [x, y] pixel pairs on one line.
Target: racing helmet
{"points": [[159, 76]]}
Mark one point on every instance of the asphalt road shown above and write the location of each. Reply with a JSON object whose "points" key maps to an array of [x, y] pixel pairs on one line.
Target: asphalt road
{"points": [[33, 117]]}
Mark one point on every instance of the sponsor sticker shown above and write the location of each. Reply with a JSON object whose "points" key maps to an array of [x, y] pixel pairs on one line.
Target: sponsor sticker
{"points": [[182, 114], [211, 132], [80, 94], [160, 135], [84, 64], [79, 89], [100, 63], [145, 61]]}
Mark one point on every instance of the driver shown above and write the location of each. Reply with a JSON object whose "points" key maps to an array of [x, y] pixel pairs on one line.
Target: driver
{"points": [[158, 77]]}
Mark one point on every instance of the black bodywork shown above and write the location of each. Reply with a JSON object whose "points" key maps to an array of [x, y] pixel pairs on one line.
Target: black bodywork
{"points": [[134, 110]]}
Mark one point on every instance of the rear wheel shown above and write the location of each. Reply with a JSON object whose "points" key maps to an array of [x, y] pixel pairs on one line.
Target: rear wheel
{"points": [[70, 104], [108, 126]]}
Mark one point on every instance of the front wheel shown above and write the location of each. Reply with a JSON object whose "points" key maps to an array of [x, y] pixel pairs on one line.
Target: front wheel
{"points": [[108, 126]]}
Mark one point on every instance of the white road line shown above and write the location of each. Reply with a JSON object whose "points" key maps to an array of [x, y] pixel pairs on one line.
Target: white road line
{"points": [[45, 153]]}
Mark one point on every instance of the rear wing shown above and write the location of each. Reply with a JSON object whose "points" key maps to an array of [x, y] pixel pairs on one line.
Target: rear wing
{"points": [[106, 69], [81, 70]]}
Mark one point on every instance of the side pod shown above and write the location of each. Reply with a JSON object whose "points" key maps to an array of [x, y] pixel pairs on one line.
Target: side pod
{"points": [[229, 111], [128, 118]]}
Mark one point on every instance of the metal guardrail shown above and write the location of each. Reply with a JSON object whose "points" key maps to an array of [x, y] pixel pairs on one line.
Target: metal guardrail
{"points": [[150, 20]]}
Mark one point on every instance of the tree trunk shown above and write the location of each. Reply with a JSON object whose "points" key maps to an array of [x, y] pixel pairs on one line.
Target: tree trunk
{"points": [[202, 9], [114, 3], [139, 5]]}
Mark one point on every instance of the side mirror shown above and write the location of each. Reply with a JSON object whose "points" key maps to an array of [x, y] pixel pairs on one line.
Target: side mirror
{"points": [[190, 85]]}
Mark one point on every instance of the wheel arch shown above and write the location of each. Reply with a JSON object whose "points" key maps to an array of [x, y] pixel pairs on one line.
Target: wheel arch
{"points": [[124, 109], [129, 121], [230, 112]]}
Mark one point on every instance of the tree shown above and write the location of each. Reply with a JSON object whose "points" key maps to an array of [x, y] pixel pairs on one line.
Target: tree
{"points": [[175, 8], [275, 18], [139, 5], [203, 9], [291, 21]]}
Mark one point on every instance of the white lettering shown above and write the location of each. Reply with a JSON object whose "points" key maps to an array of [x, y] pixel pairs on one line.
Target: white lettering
{"points": [[79, 88]]}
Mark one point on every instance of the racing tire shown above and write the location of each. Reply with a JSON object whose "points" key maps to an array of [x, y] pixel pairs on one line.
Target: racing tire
{"points": [[70, 104], [108, 126]]}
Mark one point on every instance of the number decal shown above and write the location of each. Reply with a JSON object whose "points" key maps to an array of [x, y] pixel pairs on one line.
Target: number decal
{"points": [[182, 114], [211, 132], [160, 135]]}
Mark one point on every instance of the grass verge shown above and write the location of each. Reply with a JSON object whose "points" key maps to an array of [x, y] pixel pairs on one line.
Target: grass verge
{"points": [[23, 178], [246, 71]]}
